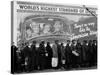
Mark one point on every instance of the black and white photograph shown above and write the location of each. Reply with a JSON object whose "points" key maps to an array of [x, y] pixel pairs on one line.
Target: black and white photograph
{"points": [[53, 37]]}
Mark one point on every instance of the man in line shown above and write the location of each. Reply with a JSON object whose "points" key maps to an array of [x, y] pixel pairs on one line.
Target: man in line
{"points": [[13, 58], [55, 54], [33, 55], [62, 56], [41, 51], [49, 55], [68, 55], [27, 55]]}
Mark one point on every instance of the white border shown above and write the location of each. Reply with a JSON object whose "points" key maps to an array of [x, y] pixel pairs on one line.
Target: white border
{"points": [[5, 38]]}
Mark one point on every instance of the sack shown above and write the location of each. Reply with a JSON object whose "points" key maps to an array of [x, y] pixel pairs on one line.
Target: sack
{"points": [[63, 61], [54, 62], [75, 53]]}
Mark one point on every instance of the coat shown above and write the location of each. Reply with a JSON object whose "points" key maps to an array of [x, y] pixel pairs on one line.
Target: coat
{"points": [[55, 50], [68, 54]]}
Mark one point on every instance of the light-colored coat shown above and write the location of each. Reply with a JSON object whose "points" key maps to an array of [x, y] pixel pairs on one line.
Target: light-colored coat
{"points": [[55, 51]]}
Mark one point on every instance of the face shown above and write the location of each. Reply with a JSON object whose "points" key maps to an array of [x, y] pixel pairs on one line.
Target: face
{"points": [[68, 42], [42, 42], [90, 42], [27, 44], [78, 41], [34, 43], [56, 41], [74, 42], [85, 42]]}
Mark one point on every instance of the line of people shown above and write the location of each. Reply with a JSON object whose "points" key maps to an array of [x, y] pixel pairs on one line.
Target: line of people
{"points": [[74, 55]]}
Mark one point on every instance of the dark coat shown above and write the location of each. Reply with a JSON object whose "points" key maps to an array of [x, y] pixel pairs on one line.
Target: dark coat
{"points": [[59, 55], [49, 51], [84, 53], [74, 57], [68, 54], [41, 56], [13, 52], [49, 57], [13, 59], [33, 50], [41, 50], [79, 51], [94, 53], [27, 52]]}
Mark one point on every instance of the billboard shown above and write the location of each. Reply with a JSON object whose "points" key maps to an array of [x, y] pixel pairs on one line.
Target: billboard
{"points": [[39, 21], [85, 27]]}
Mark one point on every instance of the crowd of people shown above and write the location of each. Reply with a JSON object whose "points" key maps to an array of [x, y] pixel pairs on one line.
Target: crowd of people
{"points": [[75, 54]]}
